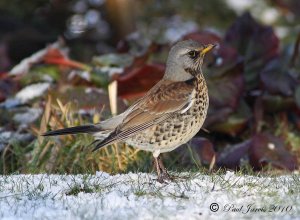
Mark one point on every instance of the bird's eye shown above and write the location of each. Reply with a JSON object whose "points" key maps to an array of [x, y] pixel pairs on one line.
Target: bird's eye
{"points": [[193, 54]]}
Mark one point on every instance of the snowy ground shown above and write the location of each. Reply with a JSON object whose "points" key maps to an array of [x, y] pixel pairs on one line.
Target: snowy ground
{"points": [[138, 196]]}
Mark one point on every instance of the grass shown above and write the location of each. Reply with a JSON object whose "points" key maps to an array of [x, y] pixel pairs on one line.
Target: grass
{"points": [[69, 153], [72, 153]]}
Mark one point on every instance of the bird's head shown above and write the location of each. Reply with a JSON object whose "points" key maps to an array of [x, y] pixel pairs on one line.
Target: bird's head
{"points": [[185, 60]]}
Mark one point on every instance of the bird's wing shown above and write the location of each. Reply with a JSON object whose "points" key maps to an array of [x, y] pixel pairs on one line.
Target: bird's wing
{"points": [[159, 104]]}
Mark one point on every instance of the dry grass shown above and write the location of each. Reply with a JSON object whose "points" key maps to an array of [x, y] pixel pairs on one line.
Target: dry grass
{"points": [[70, 153]]}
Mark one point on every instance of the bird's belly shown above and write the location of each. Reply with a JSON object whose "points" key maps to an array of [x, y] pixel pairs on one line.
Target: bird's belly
{"points": [[172, 133]]}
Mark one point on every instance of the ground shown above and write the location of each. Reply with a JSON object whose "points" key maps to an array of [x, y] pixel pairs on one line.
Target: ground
{"points": [[139, 196]]}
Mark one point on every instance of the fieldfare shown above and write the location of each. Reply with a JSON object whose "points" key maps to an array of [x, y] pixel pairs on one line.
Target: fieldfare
{"points": [[169, 114]]}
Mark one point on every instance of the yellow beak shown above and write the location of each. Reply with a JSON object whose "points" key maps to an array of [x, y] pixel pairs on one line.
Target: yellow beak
{"points": [[207, 48]]}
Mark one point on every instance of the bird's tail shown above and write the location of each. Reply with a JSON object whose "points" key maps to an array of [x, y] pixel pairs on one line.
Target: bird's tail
{"points": [[74, 130], [100, 131]]}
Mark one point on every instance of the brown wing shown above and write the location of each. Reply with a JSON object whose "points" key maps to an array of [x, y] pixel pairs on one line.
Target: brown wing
{"points": [[164, 99], [160, 103]]}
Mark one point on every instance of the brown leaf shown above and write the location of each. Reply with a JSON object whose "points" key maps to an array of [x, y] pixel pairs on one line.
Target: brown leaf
{"points": [[204, 150], [267, 149], [277, 103]]}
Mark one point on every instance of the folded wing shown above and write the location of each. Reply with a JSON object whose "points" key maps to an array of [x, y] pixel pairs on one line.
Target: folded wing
{"points": [[163, 101]]}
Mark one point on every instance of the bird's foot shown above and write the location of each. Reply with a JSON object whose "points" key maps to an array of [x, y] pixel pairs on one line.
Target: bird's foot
{"points": [[165, 177], [162, 173]]}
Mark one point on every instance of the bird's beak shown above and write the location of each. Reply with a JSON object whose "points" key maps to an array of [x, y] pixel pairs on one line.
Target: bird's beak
{"points": [[207, 48]]}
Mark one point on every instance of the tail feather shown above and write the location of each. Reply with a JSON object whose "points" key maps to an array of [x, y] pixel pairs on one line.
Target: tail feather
{"points": [[101, 144], [74, 130]]}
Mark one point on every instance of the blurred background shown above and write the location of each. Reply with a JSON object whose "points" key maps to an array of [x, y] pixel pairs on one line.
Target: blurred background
{"points": [[65, 63]]}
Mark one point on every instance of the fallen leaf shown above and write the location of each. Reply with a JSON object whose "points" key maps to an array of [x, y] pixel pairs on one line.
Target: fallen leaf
{"points": [[204, 150], [267, 149], [136, 82], [225, 90], [232, 155], [277, 103], [276, 78], [235, 123], [24, 66]]}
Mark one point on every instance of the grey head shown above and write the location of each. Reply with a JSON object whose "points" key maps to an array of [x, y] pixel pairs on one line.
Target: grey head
{"points": [[185, 60]]}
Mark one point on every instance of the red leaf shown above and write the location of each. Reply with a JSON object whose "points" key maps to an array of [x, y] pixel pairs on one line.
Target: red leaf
{"points": [[204, 149], [55, 56], [136, 82]]}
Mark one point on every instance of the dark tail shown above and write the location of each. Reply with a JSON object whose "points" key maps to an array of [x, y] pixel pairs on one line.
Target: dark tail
{"points": [[74, 130], [102, 143]]}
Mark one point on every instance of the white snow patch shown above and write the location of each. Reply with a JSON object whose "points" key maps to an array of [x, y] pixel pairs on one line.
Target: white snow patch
{"points": [[177, 28], [139, 196], [240, 5], [112, 70], [270, 15], [28, 117], [32, 91], [24, 66]]}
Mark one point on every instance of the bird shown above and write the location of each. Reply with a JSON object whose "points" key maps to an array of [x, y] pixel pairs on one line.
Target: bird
{"points": [[167, 116]]}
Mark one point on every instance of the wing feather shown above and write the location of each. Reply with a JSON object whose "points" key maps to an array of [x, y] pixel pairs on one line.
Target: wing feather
{"points": [[163, 101]]}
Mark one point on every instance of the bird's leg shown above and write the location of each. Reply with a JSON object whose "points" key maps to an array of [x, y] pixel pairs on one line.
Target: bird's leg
{"points": [[164, 170], [161, 170], [158, 170]]}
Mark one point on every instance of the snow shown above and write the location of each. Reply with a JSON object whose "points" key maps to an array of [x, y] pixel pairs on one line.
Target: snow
{"points": [[9, 137], [32, 91], [24, 66], [177, 28], [240, 5], [139, 196], [29, 116]]}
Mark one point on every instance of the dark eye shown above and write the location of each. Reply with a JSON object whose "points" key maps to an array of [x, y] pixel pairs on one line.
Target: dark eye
{"points": [[193, 54]]}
